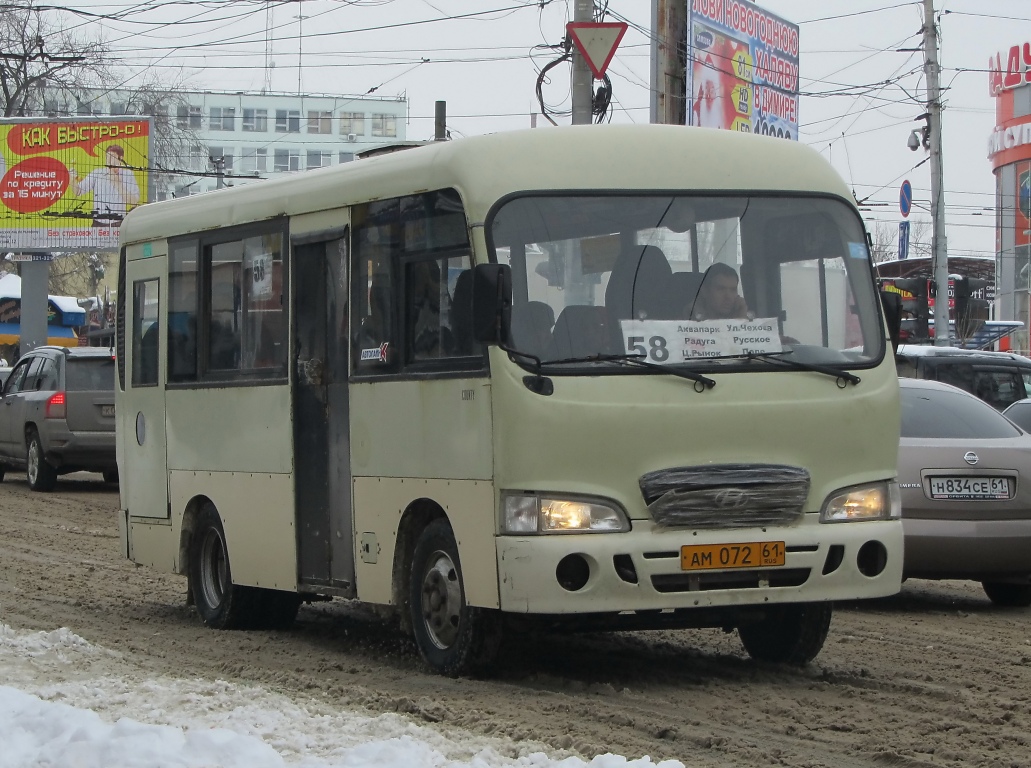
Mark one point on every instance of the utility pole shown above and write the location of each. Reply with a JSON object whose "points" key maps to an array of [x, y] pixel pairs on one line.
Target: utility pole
{"points": [[939, 244], [582, 86], [440, 121]]}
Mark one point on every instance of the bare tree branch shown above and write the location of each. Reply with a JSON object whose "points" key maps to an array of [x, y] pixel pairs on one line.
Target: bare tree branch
{"points": [[40, 56]]}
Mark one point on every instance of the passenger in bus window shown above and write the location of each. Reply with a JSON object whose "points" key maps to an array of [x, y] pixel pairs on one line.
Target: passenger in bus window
{"points": [[718, 298], [424, 309]]}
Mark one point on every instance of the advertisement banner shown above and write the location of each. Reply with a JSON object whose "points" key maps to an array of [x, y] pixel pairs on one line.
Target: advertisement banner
{"points": [[66, 184], [742, 68]]}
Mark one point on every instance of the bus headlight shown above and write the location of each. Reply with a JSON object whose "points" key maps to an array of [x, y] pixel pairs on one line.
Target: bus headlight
{"points": [[877, 501], [523, 513]]}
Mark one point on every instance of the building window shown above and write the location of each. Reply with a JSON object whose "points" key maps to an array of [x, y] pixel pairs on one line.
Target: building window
{"points": [[352, 124], [160, 113], [288, 121], [346, 157], [384, 125], [320, 122], [118, 108], [223, 154], [222, 118], [317, 159], [255, 120], [1022, 101], [188, 117], [286, 160], [254, 160]]}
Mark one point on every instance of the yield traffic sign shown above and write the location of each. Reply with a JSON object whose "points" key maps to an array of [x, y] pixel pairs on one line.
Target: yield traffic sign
{"points": [[597, 41]]}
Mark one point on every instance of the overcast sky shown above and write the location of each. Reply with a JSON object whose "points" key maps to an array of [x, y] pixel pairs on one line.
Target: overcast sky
{"points": [[482, 58]]}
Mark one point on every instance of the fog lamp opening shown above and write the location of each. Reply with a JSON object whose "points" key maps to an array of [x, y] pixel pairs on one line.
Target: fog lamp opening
{"points": [[872, 559], [573, 572]]}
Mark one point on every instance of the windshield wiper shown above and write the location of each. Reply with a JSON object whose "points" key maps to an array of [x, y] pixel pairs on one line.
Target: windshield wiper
{"points": [[635, 360], [776, 357]]}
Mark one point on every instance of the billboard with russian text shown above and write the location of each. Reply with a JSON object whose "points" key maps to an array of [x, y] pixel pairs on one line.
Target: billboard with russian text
{"points": [[742, 68], [66, 184]]}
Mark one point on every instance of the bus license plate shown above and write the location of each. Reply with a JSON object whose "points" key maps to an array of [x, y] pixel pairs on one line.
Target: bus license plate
{"points": [[107, 410], [970, 488], [750, 554]]}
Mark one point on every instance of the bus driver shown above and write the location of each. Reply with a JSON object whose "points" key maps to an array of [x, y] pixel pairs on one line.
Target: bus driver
{"points": [[718, 298]]}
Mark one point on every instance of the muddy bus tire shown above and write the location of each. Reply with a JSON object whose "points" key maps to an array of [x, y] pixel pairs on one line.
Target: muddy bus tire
{"points": [[220, 603], [454, 638], [790, 634]]}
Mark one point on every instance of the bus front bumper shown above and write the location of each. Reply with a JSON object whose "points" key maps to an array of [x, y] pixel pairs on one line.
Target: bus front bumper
{"points": [[641, 570]]}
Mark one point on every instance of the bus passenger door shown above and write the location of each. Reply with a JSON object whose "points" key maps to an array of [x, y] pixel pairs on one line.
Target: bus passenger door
{"points": [[322, 469], [141, 465]]}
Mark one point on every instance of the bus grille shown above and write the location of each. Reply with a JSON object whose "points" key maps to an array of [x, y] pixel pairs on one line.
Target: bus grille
{"points": [[726, 495], [703, 582]]}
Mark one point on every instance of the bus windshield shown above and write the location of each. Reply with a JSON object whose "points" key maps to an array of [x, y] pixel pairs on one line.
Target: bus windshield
{"points": [[702, 281]]}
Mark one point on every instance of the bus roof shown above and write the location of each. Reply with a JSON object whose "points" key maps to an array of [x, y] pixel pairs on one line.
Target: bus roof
{"points": [[486, 168]]}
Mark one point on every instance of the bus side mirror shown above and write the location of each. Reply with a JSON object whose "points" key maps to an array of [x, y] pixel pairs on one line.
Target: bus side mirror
{"points": [[892, 303], [492, 303]]}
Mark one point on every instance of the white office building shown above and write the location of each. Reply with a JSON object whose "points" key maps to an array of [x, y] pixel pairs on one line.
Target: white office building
{"points": [[250, 136]]}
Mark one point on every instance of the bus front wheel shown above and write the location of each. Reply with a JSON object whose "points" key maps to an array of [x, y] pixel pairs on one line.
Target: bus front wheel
{"points": [[453, 637], [790, 634]]}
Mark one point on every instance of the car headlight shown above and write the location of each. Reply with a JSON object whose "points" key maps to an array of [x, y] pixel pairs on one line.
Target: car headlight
{"points": [[523, 513], [877, 501]]}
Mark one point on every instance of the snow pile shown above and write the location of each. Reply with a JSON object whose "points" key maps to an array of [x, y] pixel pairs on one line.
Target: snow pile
{"points": [[70, 703]]}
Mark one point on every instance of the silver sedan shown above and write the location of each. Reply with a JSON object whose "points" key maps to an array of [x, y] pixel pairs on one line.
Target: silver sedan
{"points": [[964, 475]]}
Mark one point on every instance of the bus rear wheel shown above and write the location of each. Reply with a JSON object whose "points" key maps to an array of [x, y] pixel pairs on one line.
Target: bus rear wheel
{"points": [[453, 637], [220, 603], [790, 634]]}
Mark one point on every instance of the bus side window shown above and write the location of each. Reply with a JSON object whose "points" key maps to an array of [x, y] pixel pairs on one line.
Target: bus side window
{"points": [[145, 333], [426, 338], [182, 312], [438, 309]]}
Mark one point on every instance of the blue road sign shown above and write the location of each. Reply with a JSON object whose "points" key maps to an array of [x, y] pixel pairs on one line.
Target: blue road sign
{"points": [[905, 198], [903, 240]]}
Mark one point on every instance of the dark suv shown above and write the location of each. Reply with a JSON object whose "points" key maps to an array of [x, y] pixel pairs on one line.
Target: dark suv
{"points": [[998, 378], [57, 415]]}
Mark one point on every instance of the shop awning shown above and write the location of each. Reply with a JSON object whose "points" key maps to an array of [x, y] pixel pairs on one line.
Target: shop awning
{"points": [[60, 336]]}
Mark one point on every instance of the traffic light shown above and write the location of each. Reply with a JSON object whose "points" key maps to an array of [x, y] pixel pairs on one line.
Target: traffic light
{"points": [[970, 311], [914, 305]]}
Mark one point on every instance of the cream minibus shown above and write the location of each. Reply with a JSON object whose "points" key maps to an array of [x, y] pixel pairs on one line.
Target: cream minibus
{"points": [[598, 377]]}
